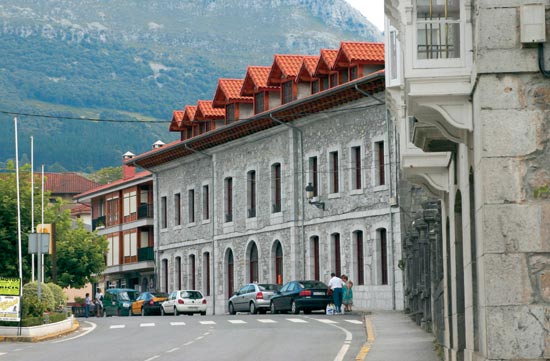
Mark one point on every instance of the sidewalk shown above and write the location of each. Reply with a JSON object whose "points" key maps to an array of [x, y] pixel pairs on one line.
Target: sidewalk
{"points": [[394, 337]]}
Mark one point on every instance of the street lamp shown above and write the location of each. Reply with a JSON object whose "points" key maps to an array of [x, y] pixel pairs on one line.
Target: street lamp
{"points": [[311, 198]]}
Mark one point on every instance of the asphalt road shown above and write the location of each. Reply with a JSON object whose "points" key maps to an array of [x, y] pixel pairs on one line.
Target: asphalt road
{"points": [[222, 337]]}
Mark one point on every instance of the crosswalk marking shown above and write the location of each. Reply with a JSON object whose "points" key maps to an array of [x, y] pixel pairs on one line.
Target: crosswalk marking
{"points": [[325, 320], [177, 323], [207, 322], [296, 320], [146, 325], [236, 321], [266, 320], [357, 322], [2, 353], [117, 326]]}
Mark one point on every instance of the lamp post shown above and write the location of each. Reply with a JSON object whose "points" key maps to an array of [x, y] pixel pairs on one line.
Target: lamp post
{"points": [[311, 197]]}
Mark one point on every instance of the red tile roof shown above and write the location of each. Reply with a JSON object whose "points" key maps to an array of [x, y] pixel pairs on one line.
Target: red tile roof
{"points": [[80, 209], [326, 61], [256, 80], [286, 66], [189, 114], [353, 52], [106, 187], [67, 183], [205, 111], [307, 70], [177, 117], [229, 91]]}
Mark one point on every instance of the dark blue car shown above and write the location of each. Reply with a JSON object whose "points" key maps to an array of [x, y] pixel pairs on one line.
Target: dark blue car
{"points": [[296, 296]]}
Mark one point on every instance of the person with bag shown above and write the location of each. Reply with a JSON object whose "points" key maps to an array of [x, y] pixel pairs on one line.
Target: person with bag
{"points": [[347, 298], [336, 284], [98, 302]]}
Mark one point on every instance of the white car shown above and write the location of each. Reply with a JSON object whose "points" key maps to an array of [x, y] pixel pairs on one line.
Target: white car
{"points": [[184, 301]]}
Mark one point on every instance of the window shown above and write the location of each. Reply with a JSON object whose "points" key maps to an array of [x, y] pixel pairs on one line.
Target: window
{"points": [[130, 246], [278, 263], [113, 253], [315, 86], [230, 113], [324, 83], [164, 220], [251, 194], [178, 273], [438, 29], [315, 257], [336, 248], [130, 203], [191, 205], [333, 172], [205, 202], [165, 275], [344, 76], [383, 262], [228, 184], [356, 167], [360, 257], [192, 272], [314, 175], [253, 263], [112, 211], [393, 57], [354, 72], [286, 89], [276, 187], [333, 80], [379, 168], [206, 268], [259, 104], [230, 273], [177, 208]]}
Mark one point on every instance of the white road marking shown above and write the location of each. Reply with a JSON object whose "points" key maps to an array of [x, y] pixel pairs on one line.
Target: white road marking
{"points": [[199, 338], [117, 326], [236, 321], [2, 353], [296, 320], [266, 320], [87, 330], [173, 350], [177, 323], [207, 322], [18, 349], [146, 325], [357, 322], [152, 358], [188, 343], [325, 320]]}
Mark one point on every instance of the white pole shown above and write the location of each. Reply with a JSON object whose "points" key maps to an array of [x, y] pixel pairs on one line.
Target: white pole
{"points": [[32, 203], [18, 205], [42, 255]]}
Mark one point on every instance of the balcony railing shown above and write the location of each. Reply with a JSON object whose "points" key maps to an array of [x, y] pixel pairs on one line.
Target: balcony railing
{"points": [[146, 254], [145, 211], [99, 222]]}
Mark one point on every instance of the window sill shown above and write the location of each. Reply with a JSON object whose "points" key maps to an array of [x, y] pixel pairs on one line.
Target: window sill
{"points": [[355, 192], [379, 188], [177, 227], [333, 195], [205, 221], [189, 225]]}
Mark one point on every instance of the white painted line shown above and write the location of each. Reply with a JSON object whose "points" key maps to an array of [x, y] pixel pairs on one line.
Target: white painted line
{"points": [[357, 322], [206, 333], [199, 338], [152, 358], [173, 350], [325, 320], [177, 323], [117, 326], [188, 343], [146, 325], [266, 320], [296, 320], [18, 349], [2, 353], [87, 330], [207, 322], [236, 321]]}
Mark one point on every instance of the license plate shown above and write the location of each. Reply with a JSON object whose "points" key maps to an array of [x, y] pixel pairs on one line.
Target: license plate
{"points": [[318, 293], [193, 308]]}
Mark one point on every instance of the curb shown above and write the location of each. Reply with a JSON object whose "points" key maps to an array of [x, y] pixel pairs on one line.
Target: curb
{"points": [[74, 327], [369, 329]]}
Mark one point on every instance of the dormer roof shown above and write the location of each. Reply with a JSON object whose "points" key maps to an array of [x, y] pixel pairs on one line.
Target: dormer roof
{"points": [[354, 52], [176, 123], [284, 66], [307, 70], [326, 61], [229, 91], [205, 111], [189, 113], [256, 80]]}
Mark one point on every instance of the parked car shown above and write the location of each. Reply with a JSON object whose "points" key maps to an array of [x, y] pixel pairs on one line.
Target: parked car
{"points": [[148, 303], [117, 301], [296, 296], [252, 297], [186, 302]]}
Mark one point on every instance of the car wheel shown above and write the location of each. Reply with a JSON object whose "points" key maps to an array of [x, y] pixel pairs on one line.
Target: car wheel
{"points": [[203, 313], [294, 309], [253, 309], [231, 309], [143, 312], [272, 308], [176, 312]]}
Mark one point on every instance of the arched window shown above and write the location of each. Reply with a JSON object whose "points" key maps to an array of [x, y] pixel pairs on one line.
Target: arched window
{"points": [[192, 273], [359, 256], [253, 263], [337, 264], [165, 275], [206, 271], [278, 262], [229, 274], [178, 273], [381, 237], [314, 258]]}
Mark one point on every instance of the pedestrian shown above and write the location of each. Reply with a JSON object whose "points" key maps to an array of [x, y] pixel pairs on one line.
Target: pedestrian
{"points": [[98, 302], [87, 304], [347, 300], [336, 285]]}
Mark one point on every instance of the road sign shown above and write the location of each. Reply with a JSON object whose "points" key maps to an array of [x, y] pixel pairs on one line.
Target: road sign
{"points": [[10, 286], [41, 240]]}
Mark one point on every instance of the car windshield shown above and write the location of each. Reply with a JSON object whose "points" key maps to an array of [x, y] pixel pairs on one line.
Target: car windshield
{"points": [[194, 295], [269, 287], [312, 284], [160, 295], [124, 296]]}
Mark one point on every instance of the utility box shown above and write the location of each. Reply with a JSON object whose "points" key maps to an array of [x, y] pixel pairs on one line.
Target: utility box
{"points": [[532, 22]]}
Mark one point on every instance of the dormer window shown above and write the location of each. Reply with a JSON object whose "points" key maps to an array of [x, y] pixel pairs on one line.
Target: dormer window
{"points": [[333, 79], [259, 104], [230, 113], [437, 29], [287, 92], [324, 83], [315, 86], [354, 72], [343, 76]]}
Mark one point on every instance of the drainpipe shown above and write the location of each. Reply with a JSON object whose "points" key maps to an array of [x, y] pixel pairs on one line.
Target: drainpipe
{"points": [[369, 95], [157, 231], [212, 223], [301, 183]]}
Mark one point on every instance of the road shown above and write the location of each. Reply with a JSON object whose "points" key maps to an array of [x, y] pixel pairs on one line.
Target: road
{"points": [[220, 337]]}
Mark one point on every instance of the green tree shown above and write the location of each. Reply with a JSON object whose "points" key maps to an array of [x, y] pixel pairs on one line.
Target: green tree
{"points": [[107, 175]]}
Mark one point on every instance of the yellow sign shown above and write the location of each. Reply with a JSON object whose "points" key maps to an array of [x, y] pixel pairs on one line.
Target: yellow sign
{"points": [[46, 228], [9, 308], [9, 286]]}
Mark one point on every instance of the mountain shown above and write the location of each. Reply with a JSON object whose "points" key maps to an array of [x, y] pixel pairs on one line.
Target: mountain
{"points": [[139, 60]]}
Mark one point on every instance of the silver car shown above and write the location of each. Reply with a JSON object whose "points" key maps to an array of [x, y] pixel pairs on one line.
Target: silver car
{"points": [[252, 297]]}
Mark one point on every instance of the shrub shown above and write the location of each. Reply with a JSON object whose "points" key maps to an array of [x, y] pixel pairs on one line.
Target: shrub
{"points": [[60, 300], [32, 305]]}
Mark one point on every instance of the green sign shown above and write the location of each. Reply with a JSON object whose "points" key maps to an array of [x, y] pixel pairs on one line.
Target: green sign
{"points": [[9, 286]]}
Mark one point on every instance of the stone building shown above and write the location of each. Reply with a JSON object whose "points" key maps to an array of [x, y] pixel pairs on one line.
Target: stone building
{"points": [[468, 90], [230, 194]]}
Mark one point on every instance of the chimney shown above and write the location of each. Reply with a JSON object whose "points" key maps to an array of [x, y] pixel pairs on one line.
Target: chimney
{"points": [[128, 171], [158, 144]]}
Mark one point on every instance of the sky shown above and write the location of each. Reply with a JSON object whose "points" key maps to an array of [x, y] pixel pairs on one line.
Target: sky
{"points": [[372, 9]]}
